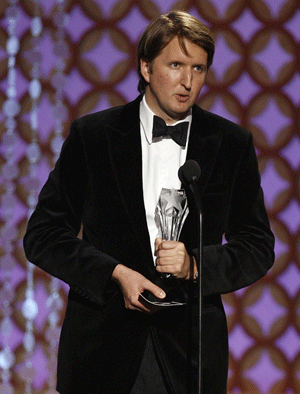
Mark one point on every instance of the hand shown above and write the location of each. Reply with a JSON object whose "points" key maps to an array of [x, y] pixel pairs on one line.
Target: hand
{"points": [[132, 284], [172, 258]]}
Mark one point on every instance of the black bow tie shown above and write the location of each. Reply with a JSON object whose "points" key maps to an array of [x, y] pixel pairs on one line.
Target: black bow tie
{"points": [[178, 133]]}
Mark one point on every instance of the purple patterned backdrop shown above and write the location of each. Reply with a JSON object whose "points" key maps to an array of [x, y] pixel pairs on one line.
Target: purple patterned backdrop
{"points": [[81, 54]]}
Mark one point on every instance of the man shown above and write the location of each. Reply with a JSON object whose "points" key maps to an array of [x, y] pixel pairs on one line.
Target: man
{"points": [[108, 179]]}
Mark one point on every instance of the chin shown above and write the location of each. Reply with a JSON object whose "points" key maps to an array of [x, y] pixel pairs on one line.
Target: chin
{"points": [[181, 113], [183, 108]]}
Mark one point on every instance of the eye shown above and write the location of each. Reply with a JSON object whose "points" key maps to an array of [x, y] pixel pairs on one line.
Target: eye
{"points": [[200, 68], [175, 64]]}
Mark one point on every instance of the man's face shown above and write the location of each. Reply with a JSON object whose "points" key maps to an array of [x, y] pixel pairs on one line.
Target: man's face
{"points": [[175, 79]]}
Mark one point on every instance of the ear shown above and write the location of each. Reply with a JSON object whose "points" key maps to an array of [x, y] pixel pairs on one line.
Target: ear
{"points": [[145, 70]]}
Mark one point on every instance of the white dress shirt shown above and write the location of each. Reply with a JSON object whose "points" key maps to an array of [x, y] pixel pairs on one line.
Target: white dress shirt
{"points": [[161, 160]]}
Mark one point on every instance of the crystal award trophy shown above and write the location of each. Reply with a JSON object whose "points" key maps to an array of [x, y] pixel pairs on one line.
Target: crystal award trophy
{"points": [[170, 214]]}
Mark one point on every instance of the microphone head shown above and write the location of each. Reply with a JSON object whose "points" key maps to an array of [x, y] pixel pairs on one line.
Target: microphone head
{"points": [[190, 172]]}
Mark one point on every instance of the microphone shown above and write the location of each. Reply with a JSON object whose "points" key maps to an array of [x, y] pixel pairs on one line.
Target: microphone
{"points": [[189, 173]]}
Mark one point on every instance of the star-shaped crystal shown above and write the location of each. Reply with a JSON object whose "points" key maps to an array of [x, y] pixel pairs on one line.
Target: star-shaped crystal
{"points": [[170, 213], [173, 198]]}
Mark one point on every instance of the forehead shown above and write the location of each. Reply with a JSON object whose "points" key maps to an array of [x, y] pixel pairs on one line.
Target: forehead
{"points": [[188, 51]]}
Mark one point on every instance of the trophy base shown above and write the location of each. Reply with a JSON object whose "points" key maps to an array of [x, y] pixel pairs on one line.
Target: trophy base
{"points": [[175, 289]]}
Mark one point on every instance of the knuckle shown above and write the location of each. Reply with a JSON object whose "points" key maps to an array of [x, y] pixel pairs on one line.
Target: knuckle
{"points": [[131, 300]]}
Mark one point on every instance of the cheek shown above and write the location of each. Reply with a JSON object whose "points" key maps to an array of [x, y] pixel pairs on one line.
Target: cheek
{"points": [[163, 80], [163, 83], [198, 86]]}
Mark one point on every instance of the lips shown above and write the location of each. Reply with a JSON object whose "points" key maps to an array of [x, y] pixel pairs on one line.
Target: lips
{"points": [[182, 97]]}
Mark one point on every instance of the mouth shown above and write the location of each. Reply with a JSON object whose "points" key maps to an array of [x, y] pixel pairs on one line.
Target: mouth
{"points": [[182, 97]]}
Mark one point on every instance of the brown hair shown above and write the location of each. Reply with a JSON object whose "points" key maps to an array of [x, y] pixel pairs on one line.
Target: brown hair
{"points": [[163, 29]]}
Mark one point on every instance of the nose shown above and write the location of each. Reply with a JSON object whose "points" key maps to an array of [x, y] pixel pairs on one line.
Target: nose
{"points": [[187, 78]]}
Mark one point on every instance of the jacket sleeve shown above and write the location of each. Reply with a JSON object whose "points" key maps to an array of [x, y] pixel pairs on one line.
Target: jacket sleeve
{"points": [[51, 241], [249, 251]]}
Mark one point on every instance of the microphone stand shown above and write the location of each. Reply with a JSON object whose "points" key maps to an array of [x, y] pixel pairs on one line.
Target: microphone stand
{"points": [[189, 174], [199, 258]]}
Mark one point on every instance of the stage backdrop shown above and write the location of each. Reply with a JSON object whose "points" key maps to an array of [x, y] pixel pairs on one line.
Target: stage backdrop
{"points": [[62, 59]]}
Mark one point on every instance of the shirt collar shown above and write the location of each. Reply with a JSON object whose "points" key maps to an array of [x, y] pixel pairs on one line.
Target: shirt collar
{"points": [[146, 119]]}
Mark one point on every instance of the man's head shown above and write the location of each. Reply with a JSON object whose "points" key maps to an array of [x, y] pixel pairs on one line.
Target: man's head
{"points": [[163, 29]]}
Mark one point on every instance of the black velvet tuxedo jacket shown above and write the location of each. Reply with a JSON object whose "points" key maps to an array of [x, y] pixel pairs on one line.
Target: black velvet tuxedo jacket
{"points": [[97, 182]]}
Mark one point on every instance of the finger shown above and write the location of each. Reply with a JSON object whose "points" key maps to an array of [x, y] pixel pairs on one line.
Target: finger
{"points": [[170, 254], [136, 305], [168, 257], [163, 261], [169, 245], [158, 241], [155, 290], [140, 308], [165, 269], [168, 268], [143, 307]]}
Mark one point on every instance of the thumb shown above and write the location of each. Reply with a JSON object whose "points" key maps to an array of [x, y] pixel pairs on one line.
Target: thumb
{"points": [[155, 290]]}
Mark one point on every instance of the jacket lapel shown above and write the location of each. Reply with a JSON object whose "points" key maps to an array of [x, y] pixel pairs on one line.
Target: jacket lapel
{"points": [[204, 145], [124, 142]]}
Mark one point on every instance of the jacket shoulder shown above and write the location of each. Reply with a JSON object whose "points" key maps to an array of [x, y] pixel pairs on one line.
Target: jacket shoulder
{"points": [[107, 116], [221, 124], [118, 117]]}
